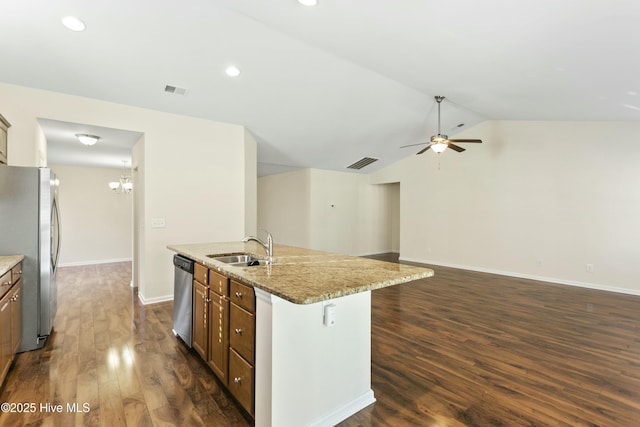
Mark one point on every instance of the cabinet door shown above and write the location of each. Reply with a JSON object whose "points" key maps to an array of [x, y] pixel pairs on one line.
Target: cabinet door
{"points": [[218, 335], [200, 321], [16, 317], [3, 146], [5, 336]]}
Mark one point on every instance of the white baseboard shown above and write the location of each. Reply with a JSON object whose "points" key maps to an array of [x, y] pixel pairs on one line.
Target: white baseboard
{"points": [[555, 280], [344, 412], [100, 261], [155, 300]]}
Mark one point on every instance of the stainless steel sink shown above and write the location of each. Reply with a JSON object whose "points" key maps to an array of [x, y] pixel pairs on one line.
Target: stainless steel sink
{"points": [[241, 260]]}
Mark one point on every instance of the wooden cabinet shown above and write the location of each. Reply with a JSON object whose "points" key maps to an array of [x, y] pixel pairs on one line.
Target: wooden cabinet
{"points": [[200, 338], [10, 317], [5, 336], [224, 331], [4, 128], [15, 296], [218, 305], [242, 344]]}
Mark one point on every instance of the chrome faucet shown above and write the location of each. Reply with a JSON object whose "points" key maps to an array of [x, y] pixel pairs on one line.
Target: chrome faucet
{"points": [[268, 246]]}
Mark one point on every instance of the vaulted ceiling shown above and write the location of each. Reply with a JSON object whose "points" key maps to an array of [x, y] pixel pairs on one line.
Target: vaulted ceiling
{"points": [[324, 86]]}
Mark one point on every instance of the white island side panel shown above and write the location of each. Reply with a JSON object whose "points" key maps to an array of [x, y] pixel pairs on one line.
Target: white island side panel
{"points": [[309, 374]]}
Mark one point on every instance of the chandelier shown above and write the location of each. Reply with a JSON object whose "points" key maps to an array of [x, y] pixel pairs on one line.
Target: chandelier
{"points": [[124, 184]]}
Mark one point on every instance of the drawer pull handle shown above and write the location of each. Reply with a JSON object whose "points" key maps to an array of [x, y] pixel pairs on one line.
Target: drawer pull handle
{"points": [[237, 380], [238, 294], [238, 331]]}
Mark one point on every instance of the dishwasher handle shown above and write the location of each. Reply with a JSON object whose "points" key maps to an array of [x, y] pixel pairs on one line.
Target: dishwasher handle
{"points": [[183, 263]]}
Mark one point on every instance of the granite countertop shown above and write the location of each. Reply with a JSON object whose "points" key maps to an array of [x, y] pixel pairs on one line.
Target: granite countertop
{"points": [[304, 276], [8, 262]]}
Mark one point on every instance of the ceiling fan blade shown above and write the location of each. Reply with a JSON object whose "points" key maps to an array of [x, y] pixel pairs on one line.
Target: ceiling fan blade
{"points": [[424, 149], [466, 140], [455, 147], [413, 145]]}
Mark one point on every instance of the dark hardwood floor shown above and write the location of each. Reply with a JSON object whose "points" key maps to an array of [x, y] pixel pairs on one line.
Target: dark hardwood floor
{"points": [[459, 349]]}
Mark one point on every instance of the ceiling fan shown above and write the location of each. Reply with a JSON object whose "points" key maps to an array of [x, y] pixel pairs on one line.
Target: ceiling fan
{"points": [[440, 142]]}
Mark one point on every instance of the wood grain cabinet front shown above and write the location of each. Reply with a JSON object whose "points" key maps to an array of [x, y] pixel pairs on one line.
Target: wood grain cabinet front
{"points": [[218, 335], [4, 144], [242, 334], [224, 330], [242, 344], [16, 316], [241, 379], [200, 338], [10, 318]]}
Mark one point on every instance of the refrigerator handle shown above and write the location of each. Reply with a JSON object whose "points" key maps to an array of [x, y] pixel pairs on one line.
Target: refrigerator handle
{"points": [[56, 212]]}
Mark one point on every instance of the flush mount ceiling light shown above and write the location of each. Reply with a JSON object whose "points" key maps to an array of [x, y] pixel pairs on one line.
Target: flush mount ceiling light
{"points": [[232, 71], [73, 23], [87, 139], [308, 2]]}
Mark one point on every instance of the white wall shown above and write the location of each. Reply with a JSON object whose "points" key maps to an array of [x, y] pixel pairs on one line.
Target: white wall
{"points": [[193, 175], [536, 199], [327, 210], [283, 207], [96, 223]]}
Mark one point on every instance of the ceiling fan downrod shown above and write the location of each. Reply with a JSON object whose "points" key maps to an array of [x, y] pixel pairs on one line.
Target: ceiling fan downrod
{"points": [[439, 100]]}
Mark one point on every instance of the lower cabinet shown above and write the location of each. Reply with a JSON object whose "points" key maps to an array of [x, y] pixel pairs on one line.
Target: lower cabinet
{"points": [[200, 339], [218, 335], [10, 318], [16, 316], [241, 380], [5, 336], [224, 331]]}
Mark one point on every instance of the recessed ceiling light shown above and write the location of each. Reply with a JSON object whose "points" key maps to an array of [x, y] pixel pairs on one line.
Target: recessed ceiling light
{"points": [[232, 71], [73, 23], [308, 2]]}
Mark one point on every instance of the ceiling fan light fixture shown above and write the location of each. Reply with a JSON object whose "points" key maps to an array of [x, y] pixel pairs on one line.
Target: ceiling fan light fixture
{"points": [[439, 138], [87, 139], [439, 146]]}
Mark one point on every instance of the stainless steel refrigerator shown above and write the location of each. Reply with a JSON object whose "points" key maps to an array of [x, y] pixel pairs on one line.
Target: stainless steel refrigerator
{"points": [[30, 226]]}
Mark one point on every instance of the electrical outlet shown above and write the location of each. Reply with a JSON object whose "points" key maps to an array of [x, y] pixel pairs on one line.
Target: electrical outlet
{"points": [[589, 268]]}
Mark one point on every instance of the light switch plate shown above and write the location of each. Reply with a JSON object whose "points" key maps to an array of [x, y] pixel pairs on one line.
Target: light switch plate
{"points": [[157, 222]]}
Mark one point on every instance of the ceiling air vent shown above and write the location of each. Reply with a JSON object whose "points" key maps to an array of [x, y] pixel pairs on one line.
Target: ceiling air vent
{"points": [[365, 161], [176, 90]]}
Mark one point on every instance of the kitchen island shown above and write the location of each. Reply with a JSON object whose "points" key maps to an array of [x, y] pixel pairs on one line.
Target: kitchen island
{"points": [[312, 328]]}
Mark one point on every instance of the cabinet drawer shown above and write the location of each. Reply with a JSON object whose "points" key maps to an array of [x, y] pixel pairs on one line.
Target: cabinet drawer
{"points": [[5, 283], [218, 283], [242, 330], [243, 295], [16, 273], [241, 380], [201, 273]]}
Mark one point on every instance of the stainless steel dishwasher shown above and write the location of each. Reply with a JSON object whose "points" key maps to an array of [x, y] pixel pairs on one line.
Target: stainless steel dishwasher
{"points": [[183, 298]]}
